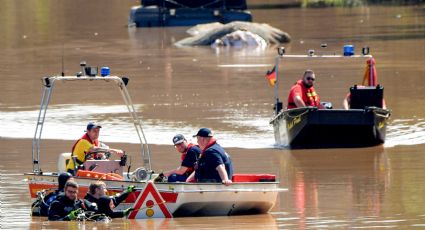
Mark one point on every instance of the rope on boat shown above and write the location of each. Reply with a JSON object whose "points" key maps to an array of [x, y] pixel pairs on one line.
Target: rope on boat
{"points": [[299, 115], [381, 113]]}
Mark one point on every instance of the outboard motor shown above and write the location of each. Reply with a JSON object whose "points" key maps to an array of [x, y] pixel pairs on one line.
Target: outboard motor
{"points": [[366, 96]]}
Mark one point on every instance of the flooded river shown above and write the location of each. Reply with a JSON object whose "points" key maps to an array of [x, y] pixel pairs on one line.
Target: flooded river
{"points": [[179, 90]]}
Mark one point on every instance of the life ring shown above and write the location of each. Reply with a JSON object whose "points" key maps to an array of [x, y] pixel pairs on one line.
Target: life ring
{"points": [[98, 175]]}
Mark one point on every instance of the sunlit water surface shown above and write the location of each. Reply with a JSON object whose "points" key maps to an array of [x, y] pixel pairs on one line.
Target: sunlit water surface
{"points": [[180, 90]]}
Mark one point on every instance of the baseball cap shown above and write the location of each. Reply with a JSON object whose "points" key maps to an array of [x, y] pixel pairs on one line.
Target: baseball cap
{"points": [[92, 125], [204, 132], [177, 139]]}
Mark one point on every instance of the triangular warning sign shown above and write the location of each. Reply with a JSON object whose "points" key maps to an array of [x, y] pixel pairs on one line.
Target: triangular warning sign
{"points": [[149, 204]]}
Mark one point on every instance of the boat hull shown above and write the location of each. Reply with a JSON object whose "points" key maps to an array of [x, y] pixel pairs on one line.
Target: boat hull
{"points": [[182, 199], [313, 128], [157, 17]]}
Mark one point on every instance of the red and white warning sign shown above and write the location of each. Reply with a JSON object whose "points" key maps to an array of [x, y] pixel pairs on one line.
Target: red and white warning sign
{"points": [[149, 204]]}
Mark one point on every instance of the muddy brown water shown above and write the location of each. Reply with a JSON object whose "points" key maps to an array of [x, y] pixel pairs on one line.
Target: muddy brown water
{"points": [[378, 187]]}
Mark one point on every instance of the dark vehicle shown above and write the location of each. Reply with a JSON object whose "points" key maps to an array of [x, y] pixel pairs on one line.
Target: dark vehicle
{"points": [[157, 13]]}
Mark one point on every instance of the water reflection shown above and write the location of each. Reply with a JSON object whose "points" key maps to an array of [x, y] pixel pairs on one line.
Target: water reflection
{"points": [[235, 222], [324, 182]]}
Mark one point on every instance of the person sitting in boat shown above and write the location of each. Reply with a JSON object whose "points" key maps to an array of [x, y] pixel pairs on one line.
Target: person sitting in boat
{"points": [[302, 94], [67, 206], [89, 147], [347, 100], [214, 164], [40, 207], [190, 154], [106, 204]]}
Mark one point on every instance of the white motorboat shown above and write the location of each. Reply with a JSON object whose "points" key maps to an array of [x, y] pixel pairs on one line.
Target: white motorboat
{"points": [[249, 193]]}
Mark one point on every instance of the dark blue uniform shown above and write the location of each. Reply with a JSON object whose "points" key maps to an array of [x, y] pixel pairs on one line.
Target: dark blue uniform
{"points": [[189, 161], [212, 157]]}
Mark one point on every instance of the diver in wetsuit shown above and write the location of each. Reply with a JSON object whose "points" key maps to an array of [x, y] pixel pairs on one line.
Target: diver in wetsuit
{"points": [[106, 204], [40, 207], [67, 206]]}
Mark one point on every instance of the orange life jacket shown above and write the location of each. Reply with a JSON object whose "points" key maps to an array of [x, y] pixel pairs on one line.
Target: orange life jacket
{"points": [[87, 138], [308, 95]]}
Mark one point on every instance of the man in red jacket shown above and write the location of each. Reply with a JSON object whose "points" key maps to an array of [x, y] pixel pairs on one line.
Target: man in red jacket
{"points": [[302, 94]]}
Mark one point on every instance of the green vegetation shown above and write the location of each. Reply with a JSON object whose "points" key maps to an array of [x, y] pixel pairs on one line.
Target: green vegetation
{"points": [[353, 3]]}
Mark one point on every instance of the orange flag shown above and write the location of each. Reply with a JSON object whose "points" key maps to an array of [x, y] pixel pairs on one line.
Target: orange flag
{"points": [[370, 76], [271, 76]]}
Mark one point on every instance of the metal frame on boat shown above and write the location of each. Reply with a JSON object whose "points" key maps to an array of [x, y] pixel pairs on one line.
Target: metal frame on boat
{"points": [[310, 127], [249, 194]]}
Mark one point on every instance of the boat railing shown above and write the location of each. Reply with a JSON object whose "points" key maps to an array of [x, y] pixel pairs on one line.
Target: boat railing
{"points": [[385, 113], [296, 112], [226, 189], [311, 55], [49, 84]]}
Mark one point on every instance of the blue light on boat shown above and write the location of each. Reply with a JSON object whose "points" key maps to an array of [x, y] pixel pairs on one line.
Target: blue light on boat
{"points": [[104, 71], [348, 50]]}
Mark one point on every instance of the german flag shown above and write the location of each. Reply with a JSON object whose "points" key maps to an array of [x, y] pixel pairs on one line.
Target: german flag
{"points": [[271, 76]]}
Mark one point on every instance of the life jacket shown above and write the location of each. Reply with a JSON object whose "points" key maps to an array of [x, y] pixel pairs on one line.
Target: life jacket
{"points": [[87, 138], [204, 172], [210, 143], [189, 169], [309, 96], [190, 145]]}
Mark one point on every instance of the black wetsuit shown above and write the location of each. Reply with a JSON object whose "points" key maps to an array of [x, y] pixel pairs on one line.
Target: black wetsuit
{"points": [[62, 206], [104, 201], [40, 207]]}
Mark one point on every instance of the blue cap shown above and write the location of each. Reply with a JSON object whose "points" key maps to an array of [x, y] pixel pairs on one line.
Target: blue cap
{"points": [[203, 132], [92, 125], [177, 139]]}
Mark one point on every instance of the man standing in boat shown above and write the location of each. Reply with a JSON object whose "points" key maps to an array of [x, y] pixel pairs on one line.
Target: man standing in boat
{"points": [[189, 157], [214, 164], [89, 147], [302, 94]]}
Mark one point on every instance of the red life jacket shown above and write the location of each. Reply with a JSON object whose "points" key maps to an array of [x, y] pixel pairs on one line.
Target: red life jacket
{"points": [[308, 95], [211, 143], [189, 169], [87, 138], [187, 150]]}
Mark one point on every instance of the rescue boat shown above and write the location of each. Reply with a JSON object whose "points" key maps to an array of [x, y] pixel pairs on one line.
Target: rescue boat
{"points": [[362, 125], [154, 197]]}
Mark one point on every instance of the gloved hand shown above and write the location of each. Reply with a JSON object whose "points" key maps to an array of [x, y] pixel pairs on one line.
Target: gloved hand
{"points": [[73, 214], [127, 211], [130, 188], [160, 177]]}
